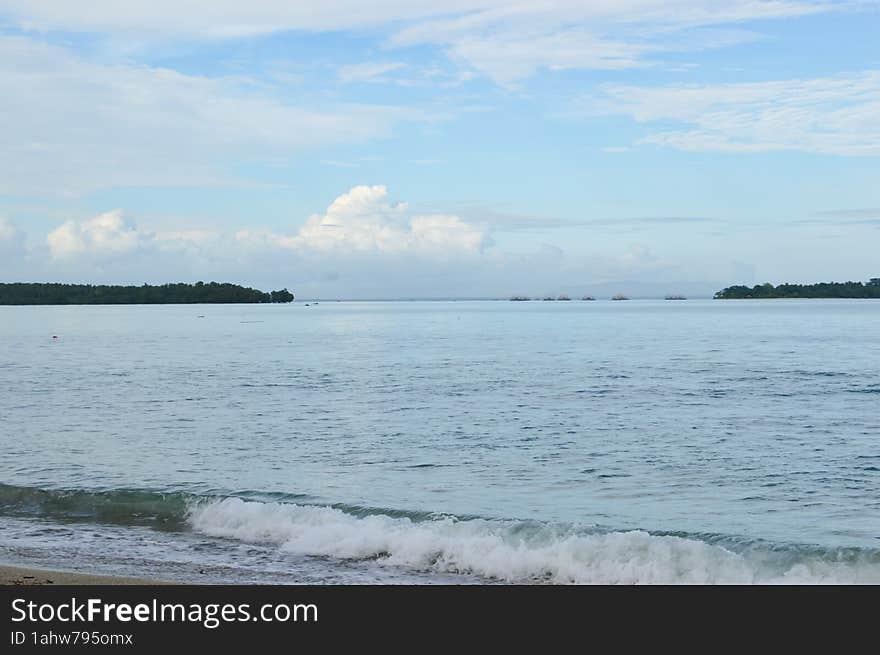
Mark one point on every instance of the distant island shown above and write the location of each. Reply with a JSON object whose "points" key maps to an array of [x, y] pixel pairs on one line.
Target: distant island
{"points": [[820, 290], [25, 293]]}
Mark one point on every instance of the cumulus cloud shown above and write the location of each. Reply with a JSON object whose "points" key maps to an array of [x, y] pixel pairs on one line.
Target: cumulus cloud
{"points": [[363, 245], [8, 230], [362, 221], [11, 238], [365, 220], [185, 236], [834, 115], [109, 233], [431, 265]]}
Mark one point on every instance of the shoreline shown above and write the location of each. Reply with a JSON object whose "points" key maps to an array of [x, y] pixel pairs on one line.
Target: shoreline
{"points": [[24, 576]]}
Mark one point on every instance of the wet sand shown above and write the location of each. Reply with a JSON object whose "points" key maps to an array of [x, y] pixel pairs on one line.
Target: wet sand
{"points": [[13, 575]]}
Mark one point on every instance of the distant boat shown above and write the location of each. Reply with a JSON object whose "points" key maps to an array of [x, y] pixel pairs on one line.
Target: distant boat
{"points": [[588, 298], [563, 298], [519, 298], [549, 298], [620, 296], [675, 298]]}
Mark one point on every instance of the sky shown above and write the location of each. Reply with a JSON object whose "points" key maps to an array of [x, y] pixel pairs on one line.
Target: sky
{"points": [[413, 148]]}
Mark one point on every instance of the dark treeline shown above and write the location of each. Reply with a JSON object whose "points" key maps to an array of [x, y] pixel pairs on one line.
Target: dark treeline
{"points": [[86, 294], [820, 290]]}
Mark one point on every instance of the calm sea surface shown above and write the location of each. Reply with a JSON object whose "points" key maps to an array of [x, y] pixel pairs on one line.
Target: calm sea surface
{"points": [[640, 441]]}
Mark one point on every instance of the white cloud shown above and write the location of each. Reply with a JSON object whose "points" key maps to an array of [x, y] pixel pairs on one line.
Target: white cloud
{"points": [[509, 57], [638, 259], [363, 245], [395, 252], [834, 115], [8, 230], [11, 238], [503, 39], [186, 236], [368, 71], [232, 18], [222, 18], [106, 234], [113, 233], [510, 41], [70, 125], [360, 222], [364, 220]]}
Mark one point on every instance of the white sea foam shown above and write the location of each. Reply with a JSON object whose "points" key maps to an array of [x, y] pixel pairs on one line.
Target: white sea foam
{"points": [[507, 550]]}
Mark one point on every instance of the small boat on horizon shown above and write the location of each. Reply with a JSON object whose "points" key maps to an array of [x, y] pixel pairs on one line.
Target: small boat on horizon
{"points": [[620, 296]]}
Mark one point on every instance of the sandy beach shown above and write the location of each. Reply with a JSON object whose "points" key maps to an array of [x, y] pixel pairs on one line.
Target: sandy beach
{"points": [[13, 575]]}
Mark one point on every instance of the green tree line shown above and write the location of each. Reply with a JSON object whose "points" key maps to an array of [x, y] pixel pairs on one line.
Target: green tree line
{"points": [[25, 293], [820, 290]]}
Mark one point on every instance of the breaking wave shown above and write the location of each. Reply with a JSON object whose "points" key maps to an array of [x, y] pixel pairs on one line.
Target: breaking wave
{"points": [[488, 549], [522, 552]]}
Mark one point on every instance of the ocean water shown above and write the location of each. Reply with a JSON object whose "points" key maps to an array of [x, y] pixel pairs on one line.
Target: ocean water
{"points": [[466, 442]]}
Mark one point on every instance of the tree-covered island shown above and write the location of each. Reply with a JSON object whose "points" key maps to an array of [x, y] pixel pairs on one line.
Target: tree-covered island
{"points": [[34, 293], [820, 290]]}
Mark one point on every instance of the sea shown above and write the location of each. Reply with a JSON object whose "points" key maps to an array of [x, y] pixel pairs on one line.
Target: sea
{"points": [[462, 442]]}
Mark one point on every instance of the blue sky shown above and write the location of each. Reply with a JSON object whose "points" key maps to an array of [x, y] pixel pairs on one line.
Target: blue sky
{"points": [[467, 148]]}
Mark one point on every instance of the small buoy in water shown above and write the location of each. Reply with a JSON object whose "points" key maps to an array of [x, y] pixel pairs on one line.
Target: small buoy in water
{"points": [[54, 336]]}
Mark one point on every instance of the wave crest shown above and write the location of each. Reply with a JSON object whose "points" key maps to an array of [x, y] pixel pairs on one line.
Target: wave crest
{"points": [[514, 551]]}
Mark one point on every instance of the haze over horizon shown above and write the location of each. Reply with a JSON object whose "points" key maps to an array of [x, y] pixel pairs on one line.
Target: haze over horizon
{"points": [[407, 149]]}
